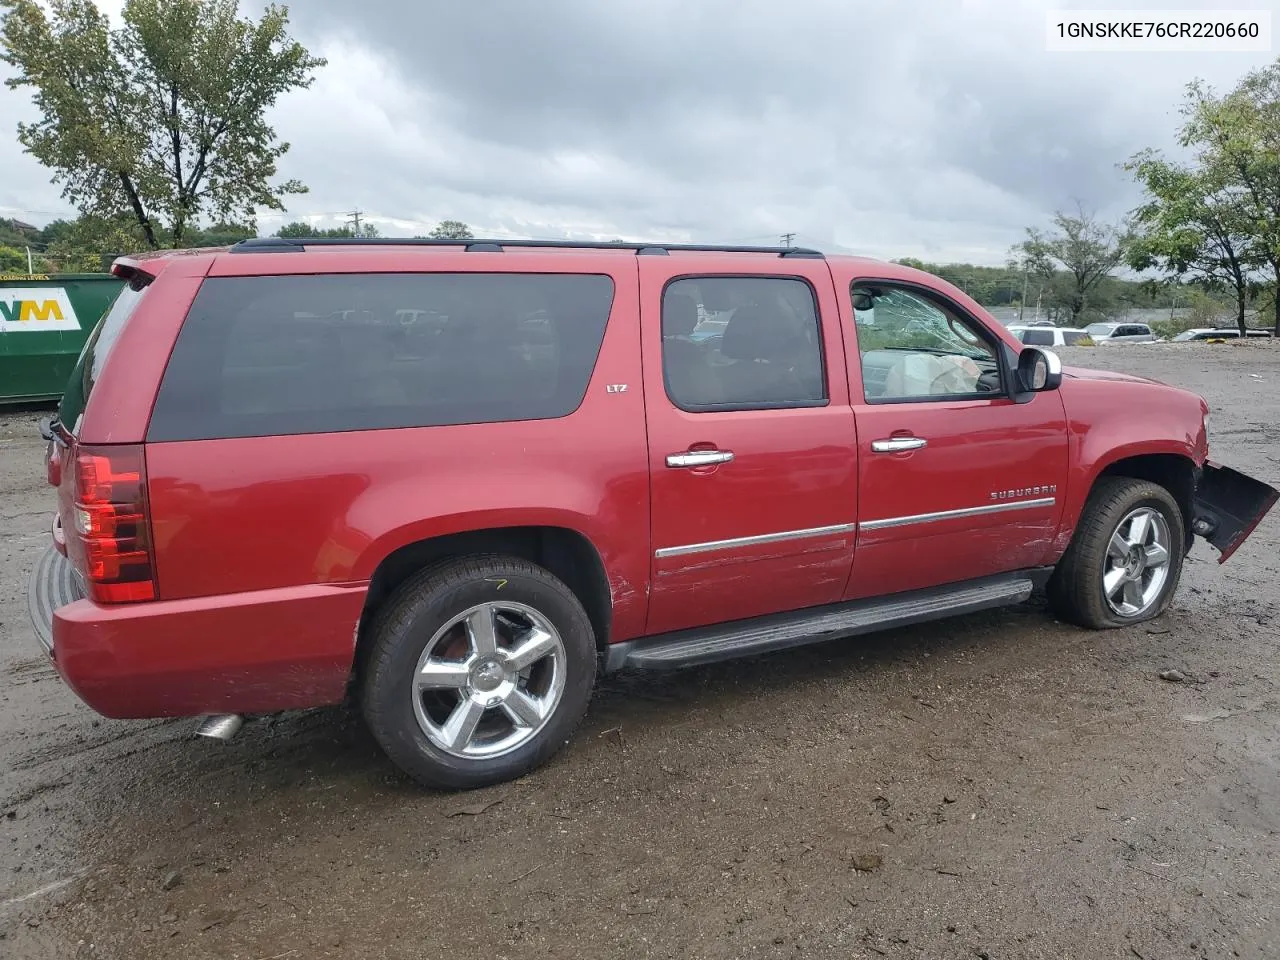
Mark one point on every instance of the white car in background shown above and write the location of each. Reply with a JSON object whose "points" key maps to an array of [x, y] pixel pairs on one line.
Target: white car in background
{"points": [[1040, 336], [1216, 333], [1103, 333]]}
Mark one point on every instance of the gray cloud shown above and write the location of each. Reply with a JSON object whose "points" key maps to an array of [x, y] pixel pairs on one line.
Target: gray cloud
{"points": [[920, 128]]}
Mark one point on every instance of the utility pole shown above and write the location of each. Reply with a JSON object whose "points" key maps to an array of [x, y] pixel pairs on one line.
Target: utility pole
{"points": [[1023, 302], [354, 218], [787, 238]]}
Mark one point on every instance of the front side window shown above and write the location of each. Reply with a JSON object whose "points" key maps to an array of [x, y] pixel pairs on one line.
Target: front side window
{"points": [[741, 343], [913, 347]]}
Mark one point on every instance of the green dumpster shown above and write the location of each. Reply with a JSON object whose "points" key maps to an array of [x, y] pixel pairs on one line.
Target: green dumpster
{"points": [[44, 322]]}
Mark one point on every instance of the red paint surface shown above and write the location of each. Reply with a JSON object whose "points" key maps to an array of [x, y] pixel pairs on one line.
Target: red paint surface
{"points": [[240, 653]]}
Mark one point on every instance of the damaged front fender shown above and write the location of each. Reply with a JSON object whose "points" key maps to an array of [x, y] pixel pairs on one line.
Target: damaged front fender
{"points": [[1228, 506]]}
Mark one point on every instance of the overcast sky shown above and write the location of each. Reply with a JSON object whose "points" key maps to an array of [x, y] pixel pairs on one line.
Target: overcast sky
{"points": [[930, 128]]}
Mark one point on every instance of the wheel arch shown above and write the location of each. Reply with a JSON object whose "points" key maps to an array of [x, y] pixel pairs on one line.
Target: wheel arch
{"points": [[564, 552], [1174, 471]]}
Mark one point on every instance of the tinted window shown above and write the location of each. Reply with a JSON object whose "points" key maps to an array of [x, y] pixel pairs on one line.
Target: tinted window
{"points": [[94, 353], [1072, 337], [1038, 338], [741, 343], [260, 356], [913, 347]]}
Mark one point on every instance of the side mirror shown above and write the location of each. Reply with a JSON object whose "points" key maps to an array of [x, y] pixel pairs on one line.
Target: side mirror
{"points": [[1038, 370]]}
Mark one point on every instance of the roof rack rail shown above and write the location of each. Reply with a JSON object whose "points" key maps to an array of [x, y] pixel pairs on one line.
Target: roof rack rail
{"points": [[297, 244]]}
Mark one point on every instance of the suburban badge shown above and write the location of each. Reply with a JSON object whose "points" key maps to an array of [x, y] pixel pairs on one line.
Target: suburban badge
{"points": [[1020, 492]]}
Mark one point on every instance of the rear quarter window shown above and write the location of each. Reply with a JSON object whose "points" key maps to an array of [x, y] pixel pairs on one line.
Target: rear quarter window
{"points": [[96, 349], [270, 356]]}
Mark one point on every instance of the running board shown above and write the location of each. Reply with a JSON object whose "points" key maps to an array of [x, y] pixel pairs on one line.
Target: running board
{"points": [[742, 638]]}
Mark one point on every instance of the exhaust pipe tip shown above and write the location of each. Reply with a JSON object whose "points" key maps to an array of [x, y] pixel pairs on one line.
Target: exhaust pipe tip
{"points": [[220, 727]]}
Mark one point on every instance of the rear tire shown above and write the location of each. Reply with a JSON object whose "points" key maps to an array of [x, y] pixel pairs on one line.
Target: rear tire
{"points": [[478, 671], [1125, 560]]}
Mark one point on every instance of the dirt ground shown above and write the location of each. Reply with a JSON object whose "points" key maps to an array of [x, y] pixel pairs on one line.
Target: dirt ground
{"points": [[996, 786]]}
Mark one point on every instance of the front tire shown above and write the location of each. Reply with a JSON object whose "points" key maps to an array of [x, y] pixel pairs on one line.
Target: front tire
{"points": [[1125, 560], [478, 672]]}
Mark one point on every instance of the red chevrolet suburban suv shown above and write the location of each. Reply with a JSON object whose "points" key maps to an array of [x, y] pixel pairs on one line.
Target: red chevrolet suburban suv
{"points": [[459, 479]]}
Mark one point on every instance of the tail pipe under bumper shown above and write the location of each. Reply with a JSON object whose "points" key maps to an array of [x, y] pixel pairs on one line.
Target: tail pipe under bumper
{"points": [[222, 726]]}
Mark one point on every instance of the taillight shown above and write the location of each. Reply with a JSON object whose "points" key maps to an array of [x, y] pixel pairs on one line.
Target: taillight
{"points": [[53, 464], [111, 522]]}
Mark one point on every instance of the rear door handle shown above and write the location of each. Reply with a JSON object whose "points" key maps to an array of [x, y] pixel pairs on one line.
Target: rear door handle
{"points": [[898, 444], [699, 458]]}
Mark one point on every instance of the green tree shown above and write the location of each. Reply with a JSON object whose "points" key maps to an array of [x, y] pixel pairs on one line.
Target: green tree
{"points": [[218, 235], [89, 244], [1074, 258], [13, 260], [162, 119], [300, 230], [1193, 224], [451, 230], [1237, 139]]}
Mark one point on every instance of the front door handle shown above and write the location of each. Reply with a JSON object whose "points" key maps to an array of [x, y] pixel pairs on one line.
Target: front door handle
{"points": [[898, 444], [699, 458]]}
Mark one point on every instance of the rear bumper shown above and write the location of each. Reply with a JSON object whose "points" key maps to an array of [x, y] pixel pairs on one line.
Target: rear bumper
{"points": [[54, 583], [280, 649]]}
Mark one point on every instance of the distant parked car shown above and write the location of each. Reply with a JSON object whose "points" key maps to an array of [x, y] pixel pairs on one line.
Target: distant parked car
{"points": [[1038, 336], [1212, 333], [1103, 333]]}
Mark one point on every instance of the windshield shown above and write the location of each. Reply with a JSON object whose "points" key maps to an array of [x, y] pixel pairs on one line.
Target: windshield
{"points": [[1186, 335], [1099, 329]]}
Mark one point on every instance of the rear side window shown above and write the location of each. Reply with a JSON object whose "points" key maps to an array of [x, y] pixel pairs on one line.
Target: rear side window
{"points": [[93, 356], [268, 356], [741, 343], [1038, 338], [1073, 337]]}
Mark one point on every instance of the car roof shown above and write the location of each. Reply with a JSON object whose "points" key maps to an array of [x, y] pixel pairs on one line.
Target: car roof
{"points": [[269, 255], [152, 262]]}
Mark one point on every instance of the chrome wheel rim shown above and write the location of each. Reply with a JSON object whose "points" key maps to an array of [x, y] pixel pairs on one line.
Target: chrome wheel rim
{"points": [[489, 680], [1136, 567]]}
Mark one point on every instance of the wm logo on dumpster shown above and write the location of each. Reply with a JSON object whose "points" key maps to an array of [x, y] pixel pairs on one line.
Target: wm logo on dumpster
{"points": [[36, 309]]}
